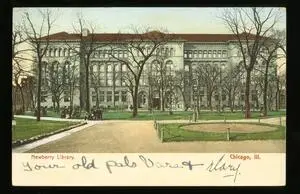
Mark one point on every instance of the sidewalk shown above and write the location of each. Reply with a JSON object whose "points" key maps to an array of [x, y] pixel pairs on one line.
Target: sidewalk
{"points": [[48, 118]]}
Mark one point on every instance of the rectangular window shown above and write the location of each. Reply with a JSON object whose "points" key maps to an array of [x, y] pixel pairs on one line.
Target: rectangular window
{"points": [[204, 54], [101, 98], [109, 79], [200, 54], [43, 96], [124, 96], [216, 97], [109, 96], [185, 54], [116, 96], [224, 54], [94, 96]]}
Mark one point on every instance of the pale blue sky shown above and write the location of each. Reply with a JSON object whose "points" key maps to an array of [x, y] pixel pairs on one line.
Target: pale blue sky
{"points": [[111, 20]]}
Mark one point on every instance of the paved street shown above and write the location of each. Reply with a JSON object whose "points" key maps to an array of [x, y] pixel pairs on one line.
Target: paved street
{"points": [[140, 136]]}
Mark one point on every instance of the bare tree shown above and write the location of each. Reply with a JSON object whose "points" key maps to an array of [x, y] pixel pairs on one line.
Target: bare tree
{"points": [[209, 74], [231, 82], [181, 81], [85, 31], [71, 78], [38, 37], [139, 47], [250, 27]]}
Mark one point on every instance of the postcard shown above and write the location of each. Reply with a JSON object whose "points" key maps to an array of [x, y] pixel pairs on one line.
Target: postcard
{"points": [[149, 96]]}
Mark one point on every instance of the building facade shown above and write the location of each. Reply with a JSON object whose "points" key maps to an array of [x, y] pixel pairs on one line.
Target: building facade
{"points": [[109, 86]]}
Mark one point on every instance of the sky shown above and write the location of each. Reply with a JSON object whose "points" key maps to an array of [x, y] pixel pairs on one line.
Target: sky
{"points": [[114, 19]]}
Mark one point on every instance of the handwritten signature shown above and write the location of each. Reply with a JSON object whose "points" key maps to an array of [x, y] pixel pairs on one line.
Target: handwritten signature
{"points": [[215, 166]]}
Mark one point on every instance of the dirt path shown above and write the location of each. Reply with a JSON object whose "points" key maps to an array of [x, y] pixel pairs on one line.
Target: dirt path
{"points": [[140, 136]]}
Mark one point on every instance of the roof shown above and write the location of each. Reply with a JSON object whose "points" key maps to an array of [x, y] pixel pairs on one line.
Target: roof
{"points": [[115, 36]]}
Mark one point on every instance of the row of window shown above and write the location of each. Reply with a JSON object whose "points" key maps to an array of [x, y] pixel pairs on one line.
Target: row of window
{"points": [[205, 53], [119, 95], [57, 52]]}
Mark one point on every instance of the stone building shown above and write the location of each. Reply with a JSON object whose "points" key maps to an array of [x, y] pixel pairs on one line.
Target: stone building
{"points": [[107, 84]]}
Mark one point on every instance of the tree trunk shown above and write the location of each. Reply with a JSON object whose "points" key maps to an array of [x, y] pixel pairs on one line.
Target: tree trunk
{"points": [[230, 101], [209, 101], [87, 108], [135, 101], [38, 114], [22, 98], [265, 113], [247, 95]]}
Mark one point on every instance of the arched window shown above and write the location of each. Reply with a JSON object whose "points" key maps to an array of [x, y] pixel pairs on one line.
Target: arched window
{"points": [[214, 54], [219, 53], [209, 54], [200, 54], [190, 54], [204, 54], [195, 54]]}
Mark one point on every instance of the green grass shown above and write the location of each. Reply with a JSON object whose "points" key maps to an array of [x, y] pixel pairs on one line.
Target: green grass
{"points": [[26, 128], [175, 132], [177, 115]]}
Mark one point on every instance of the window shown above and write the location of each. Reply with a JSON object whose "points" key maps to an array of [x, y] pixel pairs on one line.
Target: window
{"points": [[214, 54], [195, 54], [124, 96], [167, 52], [186, 68], [185, 54], [219, 53], [216, 97], [124, 68], [209, 54], [224, 54], [200, 54], [94, 96], [109, 96], [162, 51], [190, 54], [116, 96], [43, 96], [109, 79], [101, 97], [204, 54]]}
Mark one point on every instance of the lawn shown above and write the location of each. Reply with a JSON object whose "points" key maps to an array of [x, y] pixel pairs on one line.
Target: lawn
{"points": [[26, 128], [177, 115], [176, 132]]}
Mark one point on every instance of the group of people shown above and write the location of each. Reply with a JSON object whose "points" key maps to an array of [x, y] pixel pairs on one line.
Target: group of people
{"points": [[65, 112], [95, 114]]}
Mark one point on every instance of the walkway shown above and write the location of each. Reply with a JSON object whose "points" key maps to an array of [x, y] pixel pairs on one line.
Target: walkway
{"points": [[119, 136]]}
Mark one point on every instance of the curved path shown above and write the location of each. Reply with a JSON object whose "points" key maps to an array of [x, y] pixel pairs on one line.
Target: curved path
{"points": [[140, 136]]}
